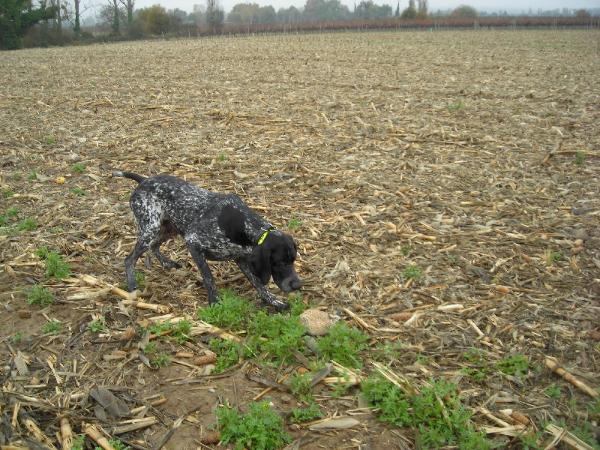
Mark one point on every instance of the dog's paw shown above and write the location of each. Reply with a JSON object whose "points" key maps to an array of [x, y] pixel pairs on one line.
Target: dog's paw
{"points": [[279, 305]]}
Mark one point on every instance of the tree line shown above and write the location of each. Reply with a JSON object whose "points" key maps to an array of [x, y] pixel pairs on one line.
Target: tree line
{"points": [[56, 22]]}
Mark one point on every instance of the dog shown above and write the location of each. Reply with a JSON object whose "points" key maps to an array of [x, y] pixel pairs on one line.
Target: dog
{"points": [[218, 227]]}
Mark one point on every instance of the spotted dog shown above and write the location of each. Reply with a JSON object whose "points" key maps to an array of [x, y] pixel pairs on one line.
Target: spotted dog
{"points": [[215, 227]]}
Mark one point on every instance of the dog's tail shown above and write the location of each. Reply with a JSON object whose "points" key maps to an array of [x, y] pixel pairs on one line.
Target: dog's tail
{"points": [[130, 175]]}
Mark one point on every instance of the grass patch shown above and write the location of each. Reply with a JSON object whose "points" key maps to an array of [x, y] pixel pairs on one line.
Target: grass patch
{"points": [[343, 344], [580, 157], [228, 354], [40, 296], [553, 391], [55, 266], [552, 257], [300, 415], [294, 224], [27, 225], [78, 168], [301, 388], [178, 331], [412, 272], [277, 336], [160, 360], [17, 337], [436, 413], [140, 280], [32, 176], [231, 312], [515, 365], [97, 326], [261, 428], [7, 193], [78, 191], [51, 327], [456, 106]]}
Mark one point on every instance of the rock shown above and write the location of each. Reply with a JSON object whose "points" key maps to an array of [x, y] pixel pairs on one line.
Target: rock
{"points": [[317, 322], [24, 314]]}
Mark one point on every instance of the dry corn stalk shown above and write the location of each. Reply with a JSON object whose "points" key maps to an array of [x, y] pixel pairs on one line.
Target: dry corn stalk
{"points": [[552, 364]]}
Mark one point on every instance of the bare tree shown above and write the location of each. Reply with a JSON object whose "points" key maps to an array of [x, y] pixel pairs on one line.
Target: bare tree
{"points": [[214, 16], [129, 4]]}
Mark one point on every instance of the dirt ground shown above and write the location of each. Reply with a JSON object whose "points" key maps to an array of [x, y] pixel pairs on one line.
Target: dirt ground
{"points": [[473, 156]]}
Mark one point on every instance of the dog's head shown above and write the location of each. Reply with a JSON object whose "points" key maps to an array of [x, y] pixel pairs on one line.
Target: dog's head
{"points": [[275, 257]]}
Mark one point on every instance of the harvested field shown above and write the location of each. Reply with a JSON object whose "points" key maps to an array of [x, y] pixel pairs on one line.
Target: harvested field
{"points": [[443, 189]]}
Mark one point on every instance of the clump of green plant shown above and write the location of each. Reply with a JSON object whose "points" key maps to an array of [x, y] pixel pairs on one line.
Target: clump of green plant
{"points": [[27, 224], [78, 167], [300, 385], [580, 157], [297, 305], [51, 327], [529, 441], [594, 408], [586, 434], [552, 257], [261, 428], [515, 365], [55, 266], [343, 344], [387, 351], [456, 106], [17, 337], [277, 336], [40, 296], [300, 415], [160, 360], [32, 176], [231, 312], [553, 391], [412, 272], [7, 193], [97, 326], [150, 348], [78, 191], [50, 140], [294, 224], [8, 216], [178, 331], [78, 442], [476, 374], [228, 354], [436, 412], [222, 157]]}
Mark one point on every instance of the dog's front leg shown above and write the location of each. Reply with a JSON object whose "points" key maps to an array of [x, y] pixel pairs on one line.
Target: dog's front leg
{"points": [[209, 281], [265, 295]]}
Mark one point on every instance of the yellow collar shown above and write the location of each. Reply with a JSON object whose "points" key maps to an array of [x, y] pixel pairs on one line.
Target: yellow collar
{"points": [[263, 236]]}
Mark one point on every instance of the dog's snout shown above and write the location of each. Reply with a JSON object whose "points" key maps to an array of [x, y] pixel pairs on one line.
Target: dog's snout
{"points": [[296, 284]]}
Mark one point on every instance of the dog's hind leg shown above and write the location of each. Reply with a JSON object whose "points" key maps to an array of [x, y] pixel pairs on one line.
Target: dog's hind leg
{"points": [[167, 231], [140, 248]]}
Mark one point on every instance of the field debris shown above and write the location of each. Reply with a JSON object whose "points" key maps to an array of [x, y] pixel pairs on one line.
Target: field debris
{"points": [[442, 188]]}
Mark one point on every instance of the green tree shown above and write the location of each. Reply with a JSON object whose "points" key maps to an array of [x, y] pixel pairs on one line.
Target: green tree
{"points": [[464, 11], [154, 19], [289, 15], [18, 16], [369, 10], [325, 10], [410, 12]]}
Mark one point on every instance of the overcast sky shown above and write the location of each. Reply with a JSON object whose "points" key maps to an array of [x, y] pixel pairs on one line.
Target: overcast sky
{"points": [[488, 5]]}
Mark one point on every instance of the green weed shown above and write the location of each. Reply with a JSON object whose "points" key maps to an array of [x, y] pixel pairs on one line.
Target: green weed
{"points": [[228, 354], [97, 326], [116, 444], [7, 193], [17, 337], [476, 374], [580, 157], [387, 351], [40, 296], [55, 266], [300, 415], [276, 335], [78, 442], [50, 140], [294, 224], [140, 279], [515, 365], [231, 312], [222, 157], [27, 225], [530, 441], [456, 106], [261, 428], [10, 214], [553, 391], [300, 384], [436, 412], [32, 176], [150, 348], [51, 327], [160, 360], [178, 331], [343, 344], [586, 434], [552, 257], [412, 272], [78, 168], [78, 191]]}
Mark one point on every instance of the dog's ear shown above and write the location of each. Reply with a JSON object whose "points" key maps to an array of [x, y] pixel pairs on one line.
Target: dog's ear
{"points": [[231, 221], [260, 263]]}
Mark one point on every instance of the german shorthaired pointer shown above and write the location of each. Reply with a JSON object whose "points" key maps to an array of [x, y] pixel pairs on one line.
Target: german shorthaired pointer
{"points": [[215, 227]]}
